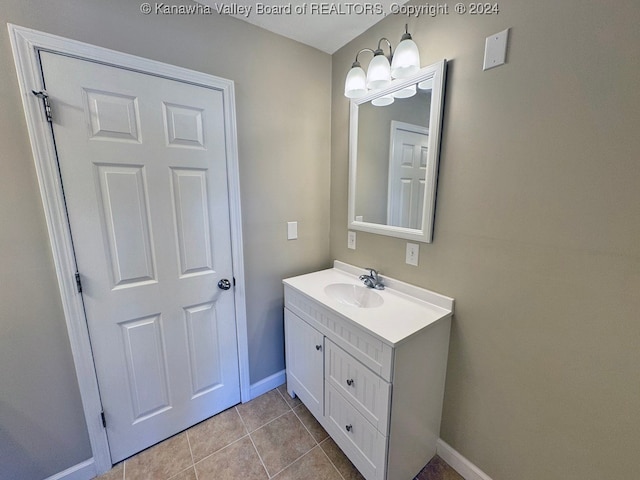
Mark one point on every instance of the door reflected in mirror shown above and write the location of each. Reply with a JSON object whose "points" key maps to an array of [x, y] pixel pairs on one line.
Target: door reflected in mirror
{"points": [[394, 157]]}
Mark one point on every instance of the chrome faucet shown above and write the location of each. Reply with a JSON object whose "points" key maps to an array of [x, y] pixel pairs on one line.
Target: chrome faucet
{"points": [[372, 280]]}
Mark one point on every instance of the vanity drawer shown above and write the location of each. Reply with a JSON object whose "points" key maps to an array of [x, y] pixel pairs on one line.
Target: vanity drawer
{"points": [[370, 350], [365, 390], [358, 439]]}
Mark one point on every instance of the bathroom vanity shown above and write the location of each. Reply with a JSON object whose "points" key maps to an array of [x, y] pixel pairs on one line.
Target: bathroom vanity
{"points": [[370, 366]]}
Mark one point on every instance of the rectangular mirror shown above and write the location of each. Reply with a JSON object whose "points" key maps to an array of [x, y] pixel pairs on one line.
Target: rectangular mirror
{"points": [[393, 156]]}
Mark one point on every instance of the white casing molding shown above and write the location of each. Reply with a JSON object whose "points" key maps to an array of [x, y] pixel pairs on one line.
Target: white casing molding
{"points": [[26, 44], [459, 463]]}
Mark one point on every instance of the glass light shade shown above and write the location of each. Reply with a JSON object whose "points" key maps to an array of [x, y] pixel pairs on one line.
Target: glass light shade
{"points": [[379, 73], [383, 101], [406, 59], [407, 92], [355, 86]]}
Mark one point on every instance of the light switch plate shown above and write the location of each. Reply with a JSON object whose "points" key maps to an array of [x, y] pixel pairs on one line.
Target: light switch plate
{"points": [[292, 230], [413, 254], [351, 240], [495, 49]]}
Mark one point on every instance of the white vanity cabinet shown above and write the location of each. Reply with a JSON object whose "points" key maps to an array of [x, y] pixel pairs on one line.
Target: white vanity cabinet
{"points": [[379, 395]]}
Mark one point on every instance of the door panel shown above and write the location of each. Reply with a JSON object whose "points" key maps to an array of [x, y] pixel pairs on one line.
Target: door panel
{"points": [[143, 165], [124, 216], [145, 359], [407, 173], [190, 202]]}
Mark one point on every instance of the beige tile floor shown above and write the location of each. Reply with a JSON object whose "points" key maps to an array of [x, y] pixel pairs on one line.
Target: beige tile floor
{"points": [[270, 437]]}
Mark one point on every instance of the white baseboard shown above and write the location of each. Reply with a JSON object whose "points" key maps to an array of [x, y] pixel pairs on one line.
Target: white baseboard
{"points": [[266, 384], [460, 464], [82, 471]]}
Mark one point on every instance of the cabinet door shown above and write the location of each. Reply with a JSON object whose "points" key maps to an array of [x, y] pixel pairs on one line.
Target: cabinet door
{"points": [[304, 360]]}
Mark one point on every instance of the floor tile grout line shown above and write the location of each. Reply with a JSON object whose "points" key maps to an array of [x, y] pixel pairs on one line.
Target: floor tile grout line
{"points": [[290, 409], [221, 449], [193, 460], [260, 457], [328, 458], [303, 426], [270, 421], [308, 431], [314, 439], [253, 443], [229, 444], [288, 406], [282, 395], [299, 458], [256, 448]]}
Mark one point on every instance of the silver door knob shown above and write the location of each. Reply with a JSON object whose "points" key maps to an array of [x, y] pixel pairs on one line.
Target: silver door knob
{"points": [[224, 284]]}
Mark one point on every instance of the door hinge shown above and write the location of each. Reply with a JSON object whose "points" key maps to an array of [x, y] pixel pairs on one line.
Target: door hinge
{"points": [[234, 281], [104, 419], [78, 283], [45, 100]]}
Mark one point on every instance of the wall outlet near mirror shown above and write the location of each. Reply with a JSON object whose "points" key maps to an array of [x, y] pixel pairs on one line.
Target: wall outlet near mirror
{"points": [[351, 240], [292, 230], [413, 254]]}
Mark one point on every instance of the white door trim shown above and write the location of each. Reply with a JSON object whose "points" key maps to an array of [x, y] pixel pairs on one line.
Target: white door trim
{"points": [[26, 43]]}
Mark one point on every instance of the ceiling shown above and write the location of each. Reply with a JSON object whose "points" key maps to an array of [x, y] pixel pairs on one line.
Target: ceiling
{"points": [[327, 30]]}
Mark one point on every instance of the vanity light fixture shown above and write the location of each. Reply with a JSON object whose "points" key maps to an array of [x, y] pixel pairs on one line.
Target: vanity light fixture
{"points": [[382, 68]]}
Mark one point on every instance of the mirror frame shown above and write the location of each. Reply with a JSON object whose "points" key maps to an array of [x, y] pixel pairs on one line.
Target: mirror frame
{"points": [[436, 72]]}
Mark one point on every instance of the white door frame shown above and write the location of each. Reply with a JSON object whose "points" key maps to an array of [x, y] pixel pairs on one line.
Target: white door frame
{"points": [[26, 44]]}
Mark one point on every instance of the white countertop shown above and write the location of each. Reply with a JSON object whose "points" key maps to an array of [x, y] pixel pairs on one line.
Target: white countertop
{"points": [[406, 310]]}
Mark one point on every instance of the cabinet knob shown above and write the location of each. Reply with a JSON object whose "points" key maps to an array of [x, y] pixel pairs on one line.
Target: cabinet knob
{"points": [[350, 382], [318, 347], [349, 427]]}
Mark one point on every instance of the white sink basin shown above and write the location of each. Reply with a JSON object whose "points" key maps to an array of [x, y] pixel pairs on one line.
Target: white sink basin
{"points": [[354, 295]]}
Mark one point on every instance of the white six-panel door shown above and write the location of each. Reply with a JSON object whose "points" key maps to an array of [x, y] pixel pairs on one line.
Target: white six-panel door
{"points": [[407, 172], [143, 165]]}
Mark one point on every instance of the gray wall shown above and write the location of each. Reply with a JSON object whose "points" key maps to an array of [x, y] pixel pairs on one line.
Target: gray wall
{"points": [[284, 155], [537, 234]]}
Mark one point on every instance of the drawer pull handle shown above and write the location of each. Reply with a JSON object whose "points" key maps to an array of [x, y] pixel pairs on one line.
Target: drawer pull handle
{"points": [[318, 347], [350, 382], [349, 427]]}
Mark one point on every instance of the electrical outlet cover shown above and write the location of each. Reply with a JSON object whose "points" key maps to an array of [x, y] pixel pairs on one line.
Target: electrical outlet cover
{"points": [[495, 49], [351, 240], [413, 254], [292, 230]]}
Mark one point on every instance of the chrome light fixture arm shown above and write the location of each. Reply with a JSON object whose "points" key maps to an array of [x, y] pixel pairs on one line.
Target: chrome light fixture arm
{"points": [[379, 51]]}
